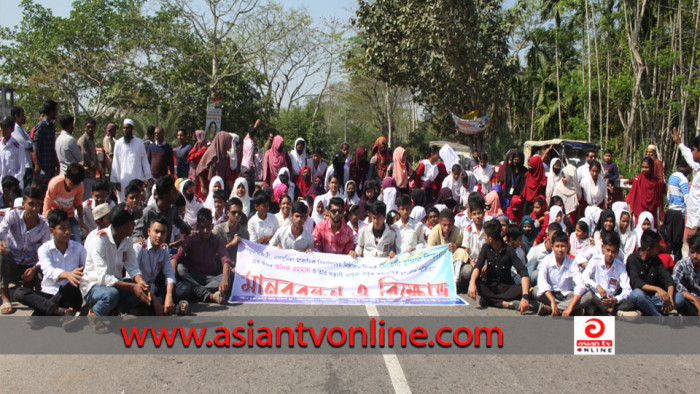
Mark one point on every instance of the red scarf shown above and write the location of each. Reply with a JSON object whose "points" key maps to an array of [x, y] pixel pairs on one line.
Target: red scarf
{"points": [[535, 179], [515, 202], [381, 164], [645, 194], [302, 185]]}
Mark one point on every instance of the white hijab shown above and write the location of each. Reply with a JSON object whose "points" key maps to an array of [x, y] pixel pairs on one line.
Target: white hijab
{"points": [[553, 212], [290, 184], [592, 213], [646, 215], [389, 198], [628, 239], [552, 178], [594, 191], [191, 207], [318, 217], [298, 159], [454, 185], [355, 199], [209, 202], [418, 213], [233, 152], [246, 198], [567, 188], [483, 176], [448, 156], [152, 199]]}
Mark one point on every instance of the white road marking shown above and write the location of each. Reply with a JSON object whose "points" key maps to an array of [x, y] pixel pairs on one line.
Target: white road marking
{"points": [[398, 379]]}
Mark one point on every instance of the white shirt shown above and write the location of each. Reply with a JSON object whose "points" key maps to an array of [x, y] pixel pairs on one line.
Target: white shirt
{"points": [[590, 253], [368, 246], [53, 263], [431, 171], [88, 217], [566, 279], [12, 160], [320, 170], [693, 199], [474, 240], [409, 236], [538, 252], [462, 221], [20, 135], [258, 228], [582, 171], [597, 274], [287, 240], [130, 162], [346, 176], [281, 221], [154, 260], [105, 261]]}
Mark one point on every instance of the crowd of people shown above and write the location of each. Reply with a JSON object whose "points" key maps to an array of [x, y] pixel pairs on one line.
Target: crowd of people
{"points": [[150, 228]]}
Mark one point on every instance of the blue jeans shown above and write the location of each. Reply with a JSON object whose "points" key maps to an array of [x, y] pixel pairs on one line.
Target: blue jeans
{"points": [[104, 299], [74, 230], [651, 306], [533, 269]]}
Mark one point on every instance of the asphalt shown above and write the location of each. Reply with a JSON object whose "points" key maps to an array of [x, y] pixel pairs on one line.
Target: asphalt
{"points": [[347, 373]]}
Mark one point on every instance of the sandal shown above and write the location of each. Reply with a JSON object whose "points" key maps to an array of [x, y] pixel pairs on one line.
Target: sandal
{"points": [[6, 308], [183, 308], [218, 297]]}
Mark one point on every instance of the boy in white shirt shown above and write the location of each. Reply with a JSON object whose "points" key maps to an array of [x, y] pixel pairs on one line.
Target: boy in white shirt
{"points": [[539, 253], [377, 239], [61, 261], [262, 226], [294, 236], [474, 237], [100, 191], [408, 230], [560, 287]]}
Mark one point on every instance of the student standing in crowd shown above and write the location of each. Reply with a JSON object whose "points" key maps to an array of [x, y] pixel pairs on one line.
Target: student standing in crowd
{"points": [[20, 135], [44, 141], [11, 152], [88, 147], [67, 149]]}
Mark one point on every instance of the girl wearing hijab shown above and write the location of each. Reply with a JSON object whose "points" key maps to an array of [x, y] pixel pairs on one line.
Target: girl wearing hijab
{"points": [[593, 186], [592, 214], [369, 195], [515, 209], [468, 187], [646, 191], [579, 241], [567, 189], [275, 159], [195, 156], [401, 170], [334, 186], [304, 182], [279, 191], [352, 220], [515, 176], [215, 162], [568, 221], [535, 182], [192, 203], [505, 165], [628, 238], [645, 222], [317, 188], [454, 182], [285, 178], [556, 215], [240, 190], [216, 183], [493, 205], [380, 161], [553, 177], [298, 156], [318, 214], [483, 173], [351, 193], [359, 166], [444, 200], [389, 194], [338, 168], [527, 224]]}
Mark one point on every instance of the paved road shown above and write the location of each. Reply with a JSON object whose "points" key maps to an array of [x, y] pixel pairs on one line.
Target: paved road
{"points": [[348, 373]]}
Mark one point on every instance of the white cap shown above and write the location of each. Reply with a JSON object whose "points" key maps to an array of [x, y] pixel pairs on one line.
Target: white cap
{"points": [[128, 122]]}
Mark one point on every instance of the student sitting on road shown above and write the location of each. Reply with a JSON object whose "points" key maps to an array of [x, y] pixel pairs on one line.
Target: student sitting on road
{"points": [[376, 239], [560, 287], [22, 232], [233, 231], [295, 237], [262, 226], [203, 262], [652, 284], [61, 261], [606, 277], [474, 236], [408, 230], [445, 232], [686, 274], [157, 272], [538, 253], [491, 278]]}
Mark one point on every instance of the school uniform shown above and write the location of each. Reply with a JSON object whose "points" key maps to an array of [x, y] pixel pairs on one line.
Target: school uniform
{"points": [[564, 282], [410, 235], [370, 246], [614, 281], [258, 228], [286, 240]]}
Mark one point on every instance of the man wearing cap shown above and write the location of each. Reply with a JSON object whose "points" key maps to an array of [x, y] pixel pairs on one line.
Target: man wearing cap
{"points": [[130, 160], [101, 215], [110, 253]]}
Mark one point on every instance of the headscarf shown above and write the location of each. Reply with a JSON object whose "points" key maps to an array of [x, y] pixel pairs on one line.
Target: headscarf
{"points": [[515, 176], [552, 178], [493, 203], [339, 168], [516, 202], [448, 156], [381, 164], [644, 194], [318, 217], [592, 213], [455, 185], [111, 130], [152, 198], [483, 176], [317, 187], [362, 212], [418, 213], [302, 185], [628, 239], [535, 179], [279, 191], [200, 137], [418, 197], [359, 166], [209, 202], [233, 152], [355, 199], [191, 207], [594, 191], [400, 173], [553, 212], [246, 198], [504, 167], [298, 159], [275, 159], [528, 237], [290, 184], [215, 161], [567, 189], [576, 245], [389, 193], [646, 215]]}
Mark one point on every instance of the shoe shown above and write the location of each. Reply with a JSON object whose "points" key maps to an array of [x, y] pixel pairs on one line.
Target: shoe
{"points": [[544, 310], [482, 302], [70, 318], [514, 305], [629, 316]]}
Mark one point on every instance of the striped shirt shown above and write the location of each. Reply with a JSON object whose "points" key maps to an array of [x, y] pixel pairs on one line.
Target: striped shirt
{"points": [[677, 191]]}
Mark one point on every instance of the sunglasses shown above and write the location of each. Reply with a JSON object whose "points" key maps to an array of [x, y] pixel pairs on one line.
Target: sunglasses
{"points": [[237, 213], [335, 211]]}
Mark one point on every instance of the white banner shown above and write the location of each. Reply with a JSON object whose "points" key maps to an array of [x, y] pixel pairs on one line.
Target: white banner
{"points": [[471, 126]]}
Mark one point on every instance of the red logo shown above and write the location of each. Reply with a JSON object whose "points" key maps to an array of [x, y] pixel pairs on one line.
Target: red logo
{"points": [[595, 328]]}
